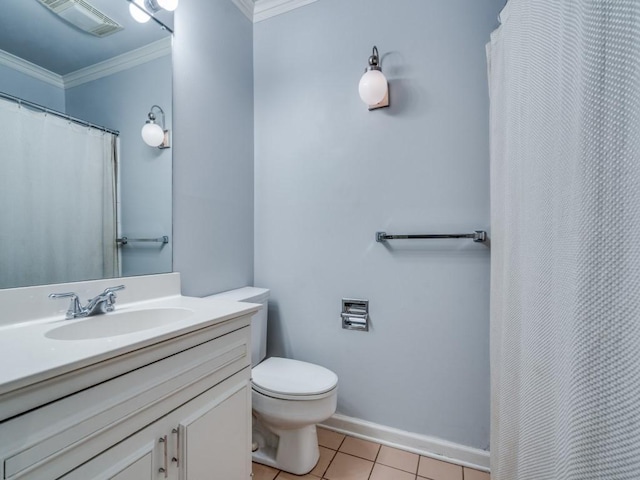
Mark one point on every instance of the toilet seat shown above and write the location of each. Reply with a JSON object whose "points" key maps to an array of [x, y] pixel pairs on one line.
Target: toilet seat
{"points": [[289, 379]]}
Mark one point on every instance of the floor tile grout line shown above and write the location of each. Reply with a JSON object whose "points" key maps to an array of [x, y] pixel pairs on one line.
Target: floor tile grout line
{"points": [[374, 461], [359, 458], [330, 462], [377, 453]]}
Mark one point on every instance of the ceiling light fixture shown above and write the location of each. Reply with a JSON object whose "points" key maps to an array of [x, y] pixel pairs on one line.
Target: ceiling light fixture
{"points": [[138, 11], [142, 10], [169, 5], [153, 134]]}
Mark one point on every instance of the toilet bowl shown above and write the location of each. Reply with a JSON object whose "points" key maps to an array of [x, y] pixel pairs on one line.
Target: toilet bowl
{"points": [[289, 398]]}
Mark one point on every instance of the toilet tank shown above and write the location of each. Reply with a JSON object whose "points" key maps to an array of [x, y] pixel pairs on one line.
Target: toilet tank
{"points": [[258, 321]]}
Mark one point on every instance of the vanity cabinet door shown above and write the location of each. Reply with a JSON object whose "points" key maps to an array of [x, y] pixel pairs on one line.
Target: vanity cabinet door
{"points": [[207, 438], [216, 439]]}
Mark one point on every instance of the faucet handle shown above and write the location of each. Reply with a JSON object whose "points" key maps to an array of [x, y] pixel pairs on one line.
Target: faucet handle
{"points": [[111, 296], [113, 289], [74, 307]]}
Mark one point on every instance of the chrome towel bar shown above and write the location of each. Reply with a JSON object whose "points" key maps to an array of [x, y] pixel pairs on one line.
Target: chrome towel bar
{"points": [[125, 240], [478, 236]]}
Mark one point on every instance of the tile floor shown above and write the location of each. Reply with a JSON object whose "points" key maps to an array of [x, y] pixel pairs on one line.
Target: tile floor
{"points": [[347, 458]]}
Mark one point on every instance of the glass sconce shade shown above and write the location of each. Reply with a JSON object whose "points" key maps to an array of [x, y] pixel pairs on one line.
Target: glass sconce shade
{"points": [[372, 87], [138, 14], [152, 134], [155, 134], [169, 5]]}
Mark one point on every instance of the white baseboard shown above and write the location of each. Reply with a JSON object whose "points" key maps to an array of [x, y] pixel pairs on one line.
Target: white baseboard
{"points": [[412, 442]]}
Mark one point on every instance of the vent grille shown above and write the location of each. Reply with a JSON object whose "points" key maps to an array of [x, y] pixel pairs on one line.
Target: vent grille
{"points": [[84, 16]]}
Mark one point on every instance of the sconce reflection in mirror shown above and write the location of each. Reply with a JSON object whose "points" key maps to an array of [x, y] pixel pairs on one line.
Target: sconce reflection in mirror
{"points": [[373, 87], [153, 134], [141, 10]]}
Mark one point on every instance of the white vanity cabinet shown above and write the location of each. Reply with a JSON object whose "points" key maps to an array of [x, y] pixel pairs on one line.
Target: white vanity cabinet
{"points": [[203, 439], [178, 409]]}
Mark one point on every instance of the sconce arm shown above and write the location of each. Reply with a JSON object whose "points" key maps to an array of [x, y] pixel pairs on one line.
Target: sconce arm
{"points": [[152, 117]]}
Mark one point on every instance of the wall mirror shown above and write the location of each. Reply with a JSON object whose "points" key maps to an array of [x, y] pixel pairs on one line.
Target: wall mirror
{"points": [[70, 192]]}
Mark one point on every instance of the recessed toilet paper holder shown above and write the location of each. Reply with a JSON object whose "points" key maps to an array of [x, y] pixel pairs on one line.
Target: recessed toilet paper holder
{"points": [[355, 314]]}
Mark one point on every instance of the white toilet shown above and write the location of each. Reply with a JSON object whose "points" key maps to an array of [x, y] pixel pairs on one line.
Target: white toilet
{"points": [[288, 397]]}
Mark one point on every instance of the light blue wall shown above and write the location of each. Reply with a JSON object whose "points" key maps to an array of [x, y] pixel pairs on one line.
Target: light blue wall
{"points": [[122, 101], [329, 174], [29, 88], [213, 155]]}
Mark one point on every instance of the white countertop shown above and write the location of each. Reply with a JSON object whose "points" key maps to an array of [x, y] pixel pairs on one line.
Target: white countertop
{"points": [[28, 356]]}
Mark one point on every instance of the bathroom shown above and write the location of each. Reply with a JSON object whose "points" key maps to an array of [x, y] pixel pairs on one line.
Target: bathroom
{"points": [[281, 178]]}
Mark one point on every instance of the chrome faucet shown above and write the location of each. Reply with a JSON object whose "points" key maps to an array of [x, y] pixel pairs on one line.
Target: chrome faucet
{"points": [[102, 303]]}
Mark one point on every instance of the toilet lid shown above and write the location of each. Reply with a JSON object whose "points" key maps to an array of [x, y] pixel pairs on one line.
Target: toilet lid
{"points": [[292, 377]]}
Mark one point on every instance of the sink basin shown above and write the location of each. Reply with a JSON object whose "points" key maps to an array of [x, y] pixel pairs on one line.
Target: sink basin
{"points": [[118, 323]]}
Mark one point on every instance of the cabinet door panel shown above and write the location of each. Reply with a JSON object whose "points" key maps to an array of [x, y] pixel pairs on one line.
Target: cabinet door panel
{"points": [[142, 469], [136, 458], [216, 440]]}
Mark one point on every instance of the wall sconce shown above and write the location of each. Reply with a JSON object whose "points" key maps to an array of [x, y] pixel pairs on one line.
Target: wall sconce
{"points": [[153, 134], [373, 87], [141, 10]]}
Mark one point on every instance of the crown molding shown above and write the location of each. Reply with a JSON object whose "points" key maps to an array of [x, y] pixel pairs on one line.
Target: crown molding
{"points": [[117, 64], [258, 10], [270, 8], [108, 67], [31, 69], [246, 7]]}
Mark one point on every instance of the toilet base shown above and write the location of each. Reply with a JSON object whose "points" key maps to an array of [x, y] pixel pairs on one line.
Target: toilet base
{"points": [[294, 451]]}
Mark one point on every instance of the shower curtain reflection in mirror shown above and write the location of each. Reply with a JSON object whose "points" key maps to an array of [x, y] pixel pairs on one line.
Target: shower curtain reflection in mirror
{"points": [[58, 199]]}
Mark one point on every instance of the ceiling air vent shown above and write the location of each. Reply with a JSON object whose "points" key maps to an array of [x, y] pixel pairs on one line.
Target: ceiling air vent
{"points": [[84, 16]]}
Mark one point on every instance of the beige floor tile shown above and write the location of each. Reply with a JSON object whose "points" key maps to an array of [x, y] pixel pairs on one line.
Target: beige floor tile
{"points": [[290, 476], [392, 457], [329, 438], [471, 474], [347, 467], [437, 470], [360, 448], [262, 472], [326, 455], [382, 472]]}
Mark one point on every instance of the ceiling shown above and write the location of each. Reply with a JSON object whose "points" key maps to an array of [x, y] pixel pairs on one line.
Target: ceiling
{"points": [[32, 32]]}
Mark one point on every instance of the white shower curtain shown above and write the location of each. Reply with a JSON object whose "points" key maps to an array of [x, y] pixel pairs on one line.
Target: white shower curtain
{"points": [[565, 196], [57, 199]]}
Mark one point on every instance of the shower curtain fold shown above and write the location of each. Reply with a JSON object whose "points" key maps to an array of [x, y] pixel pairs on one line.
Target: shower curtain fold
{"points": [[565, 198]]}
